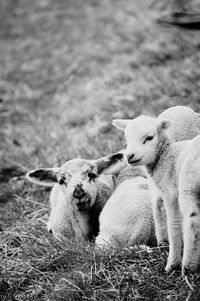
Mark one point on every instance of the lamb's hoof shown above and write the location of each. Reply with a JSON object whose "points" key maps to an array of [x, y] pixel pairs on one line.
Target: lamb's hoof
{"points": [[173, 267], [187, 270]]}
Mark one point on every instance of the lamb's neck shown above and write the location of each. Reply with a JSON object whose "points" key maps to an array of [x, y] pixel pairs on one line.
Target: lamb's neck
{"points": [[163, 149], [83, 220], [129, 172]]}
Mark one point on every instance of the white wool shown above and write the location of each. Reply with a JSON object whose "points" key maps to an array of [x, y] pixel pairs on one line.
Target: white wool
{"points": [[127, 217], [175, 169], [185, 123]]}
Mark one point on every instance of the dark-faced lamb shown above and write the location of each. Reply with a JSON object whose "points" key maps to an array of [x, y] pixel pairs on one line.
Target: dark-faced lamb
{"points": [[78, 195]]}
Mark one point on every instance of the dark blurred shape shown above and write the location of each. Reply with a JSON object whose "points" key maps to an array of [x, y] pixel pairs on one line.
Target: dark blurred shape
{"points": [[16, 142], [6, 192], [181, 16], [8, 172], [181, 19]]}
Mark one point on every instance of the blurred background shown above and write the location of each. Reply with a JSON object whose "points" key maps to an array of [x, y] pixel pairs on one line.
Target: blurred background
{"points": [[68, 67]]}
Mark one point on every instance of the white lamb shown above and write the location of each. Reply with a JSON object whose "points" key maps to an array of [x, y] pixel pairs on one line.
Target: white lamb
{"points": [[175, 169], [127, 217], [78, 195], [185, 125]]}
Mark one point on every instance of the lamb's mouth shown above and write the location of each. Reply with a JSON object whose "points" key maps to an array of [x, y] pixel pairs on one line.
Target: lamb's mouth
{"points": [[134, 162], [83, 203]]}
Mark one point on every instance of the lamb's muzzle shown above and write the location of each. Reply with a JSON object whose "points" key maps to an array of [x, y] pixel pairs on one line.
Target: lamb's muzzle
{"points": [[79, 193]]}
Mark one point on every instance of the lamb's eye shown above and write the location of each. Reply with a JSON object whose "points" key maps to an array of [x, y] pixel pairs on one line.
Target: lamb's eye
{"points": [[149, 138], [91, 175], [62, 180]]}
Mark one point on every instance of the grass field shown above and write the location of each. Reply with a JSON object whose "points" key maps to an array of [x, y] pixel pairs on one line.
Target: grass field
{"points": [[68, 67]]}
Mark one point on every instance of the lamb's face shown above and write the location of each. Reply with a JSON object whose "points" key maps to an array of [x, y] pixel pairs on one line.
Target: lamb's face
{"points": [[78, 180], [142, 136]]}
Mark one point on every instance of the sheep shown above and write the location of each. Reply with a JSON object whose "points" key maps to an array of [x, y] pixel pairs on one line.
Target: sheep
{"points": [[185, 125], [127, 217], [78, 195], [175, 169]]}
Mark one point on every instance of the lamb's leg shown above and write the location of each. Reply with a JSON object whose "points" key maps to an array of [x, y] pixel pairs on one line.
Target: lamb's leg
{"points": [[160, 221], [191, 231], [174, 234], [105, 241]]}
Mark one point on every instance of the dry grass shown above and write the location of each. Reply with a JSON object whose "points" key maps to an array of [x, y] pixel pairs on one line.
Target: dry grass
{"points": [[68, 68]]}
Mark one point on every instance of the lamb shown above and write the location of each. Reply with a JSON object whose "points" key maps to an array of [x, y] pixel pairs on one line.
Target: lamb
{"points": [[78, 195], [175, 169], [127, 217], [185, 125]]}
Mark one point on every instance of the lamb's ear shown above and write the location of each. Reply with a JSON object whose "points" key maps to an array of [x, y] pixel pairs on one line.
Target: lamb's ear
{"points": [[163, 124], [43, 176], [120, 124], [109, 164]]}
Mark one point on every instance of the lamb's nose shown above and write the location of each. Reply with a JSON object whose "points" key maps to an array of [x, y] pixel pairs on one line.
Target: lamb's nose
{"points": [[130, 158], [79, 192]]}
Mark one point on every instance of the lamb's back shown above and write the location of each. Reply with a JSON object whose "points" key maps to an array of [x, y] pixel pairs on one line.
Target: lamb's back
{"points": [[185, 123], [127, 216]]}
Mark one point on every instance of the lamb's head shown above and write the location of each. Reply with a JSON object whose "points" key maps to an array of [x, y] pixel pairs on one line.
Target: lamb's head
{"points": [[142, 136], [78, 179]]}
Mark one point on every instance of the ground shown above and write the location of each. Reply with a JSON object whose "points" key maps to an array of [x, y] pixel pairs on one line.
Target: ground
{"points": [[68, 67]]}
